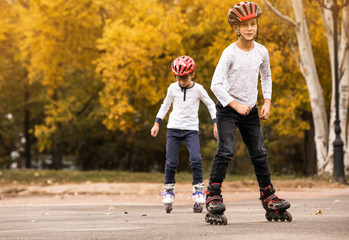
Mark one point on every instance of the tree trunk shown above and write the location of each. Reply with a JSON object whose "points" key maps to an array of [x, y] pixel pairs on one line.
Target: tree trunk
{"points": [[327, 18], [57, 163], [308, 69], [344, 48], [27, 127], [309, 163]]}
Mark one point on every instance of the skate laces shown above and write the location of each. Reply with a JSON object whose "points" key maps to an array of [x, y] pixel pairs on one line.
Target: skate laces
{"points": [[168, 189], [272, 197], [198, 193], [213, 194], [214, 200], [214, 189], [198, 188], [166, 193]]}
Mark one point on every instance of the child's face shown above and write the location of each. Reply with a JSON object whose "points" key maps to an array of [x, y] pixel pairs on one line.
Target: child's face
{"points": [[248, 29], [185, 81]]}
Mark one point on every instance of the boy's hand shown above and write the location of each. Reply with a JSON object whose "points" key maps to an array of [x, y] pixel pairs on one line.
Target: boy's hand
{"points": [[265, 110], [155, 129], [215, 130], [242, 109]]}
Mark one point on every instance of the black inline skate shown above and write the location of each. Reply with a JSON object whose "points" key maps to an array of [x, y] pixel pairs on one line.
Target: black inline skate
{"points": [[215, 205], [274, 206]]}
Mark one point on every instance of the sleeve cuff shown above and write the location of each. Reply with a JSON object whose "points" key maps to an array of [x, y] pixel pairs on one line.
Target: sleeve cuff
{"points": [[158, 120], [214, 120]]}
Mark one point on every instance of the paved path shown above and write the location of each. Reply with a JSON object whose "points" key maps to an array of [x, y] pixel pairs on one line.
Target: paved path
{"points": [[149, 221]]}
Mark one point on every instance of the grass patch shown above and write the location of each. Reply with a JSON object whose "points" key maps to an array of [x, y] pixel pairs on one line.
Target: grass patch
{"points": [[47, 177], [64, 176]]}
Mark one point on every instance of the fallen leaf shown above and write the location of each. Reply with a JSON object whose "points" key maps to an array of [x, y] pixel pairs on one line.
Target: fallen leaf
{"points": [[318, 212]]}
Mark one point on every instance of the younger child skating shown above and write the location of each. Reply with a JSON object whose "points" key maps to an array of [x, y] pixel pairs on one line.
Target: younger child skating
{"points": [[183, 125], [234, 83]]}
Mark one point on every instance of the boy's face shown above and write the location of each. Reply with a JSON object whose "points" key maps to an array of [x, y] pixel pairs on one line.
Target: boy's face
{"points": [[248, 29], [185, 81]]}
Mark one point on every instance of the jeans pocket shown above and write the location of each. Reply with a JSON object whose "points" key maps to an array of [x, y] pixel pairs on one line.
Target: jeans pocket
{"points": [[219, 105]]}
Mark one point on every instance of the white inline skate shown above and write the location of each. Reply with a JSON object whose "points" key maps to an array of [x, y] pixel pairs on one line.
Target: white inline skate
{"points": [[168, 196], [198, 197]]}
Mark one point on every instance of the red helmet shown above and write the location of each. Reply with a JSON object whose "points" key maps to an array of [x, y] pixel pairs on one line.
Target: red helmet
{"points": [[183, 66], [243, 11]]}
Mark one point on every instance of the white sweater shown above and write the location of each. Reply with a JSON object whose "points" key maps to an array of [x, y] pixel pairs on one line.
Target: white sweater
{"points": [[236, 75], [184, 115]]}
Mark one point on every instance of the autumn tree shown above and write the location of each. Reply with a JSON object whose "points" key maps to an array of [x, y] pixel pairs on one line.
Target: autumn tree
{"points": [[21, 102], [324, 135], [58, 49]]}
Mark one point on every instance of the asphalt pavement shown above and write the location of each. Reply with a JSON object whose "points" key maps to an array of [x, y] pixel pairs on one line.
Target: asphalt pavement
{"points": [[314, 217]]}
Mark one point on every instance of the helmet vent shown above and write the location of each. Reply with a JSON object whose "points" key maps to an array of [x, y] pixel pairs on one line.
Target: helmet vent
{"points": [[247, 12]]}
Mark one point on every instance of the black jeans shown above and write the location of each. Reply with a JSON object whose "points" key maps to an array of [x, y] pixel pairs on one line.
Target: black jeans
{"points": [[250, 129]]}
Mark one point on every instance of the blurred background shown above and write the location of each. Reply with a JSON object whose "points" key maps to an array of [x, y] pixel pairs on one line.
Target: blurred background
{"points": [[82, 80]]}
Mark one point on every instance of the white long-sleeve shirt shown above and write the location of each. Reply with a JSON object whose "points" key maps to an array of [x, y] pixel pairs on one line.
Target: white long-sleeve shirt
{"points": [[184, 115], [236, 75]]}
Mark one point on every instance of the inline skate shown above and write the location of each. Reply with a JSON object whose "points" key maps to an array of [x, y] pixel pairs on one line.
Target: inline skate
{"points": [[168, 196], [275, 207], [198, 197], [215, 205]]}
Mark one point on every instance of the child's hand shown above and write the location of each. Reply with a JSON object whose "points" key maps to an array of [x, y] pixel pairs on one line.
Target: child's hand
{"points": [[242, 109], [215, 130], [265, 110], [154, 130]]}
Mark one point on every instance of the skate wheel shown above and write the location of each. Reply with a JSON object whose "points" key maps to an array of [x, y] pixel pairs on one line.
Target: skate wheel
{"points": [[198, 208], [288, 216], [282, 218], [225, 220], [276, 219], [268, 217], [168, 208], [207, 218]]}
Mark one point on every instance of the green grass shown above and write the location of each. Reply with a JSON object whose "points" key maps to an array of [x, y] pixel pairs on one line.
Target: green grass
{"points": [[44, 177], [65, 176]]}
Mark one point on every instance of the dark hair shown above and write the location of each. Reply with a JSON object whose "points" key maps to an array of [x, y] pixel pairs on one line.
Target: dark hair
{"points": [[184, 77]]}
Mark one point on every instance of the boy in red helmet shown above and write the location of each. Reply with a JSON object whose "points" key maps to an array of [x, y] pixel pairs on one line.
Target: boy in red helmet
{"points": [[183, 125], [234, 83]]}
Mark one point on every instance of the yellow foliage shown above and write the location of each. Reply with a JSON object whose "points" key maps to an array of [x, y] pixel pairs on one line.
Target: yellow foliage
{"points": [[121, 51], [58, 34], [138, 51]]}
